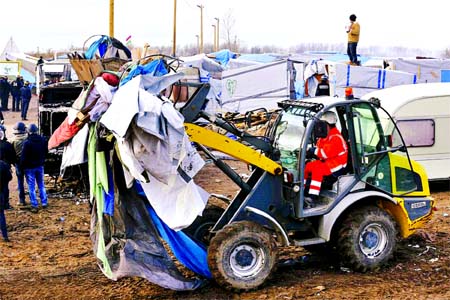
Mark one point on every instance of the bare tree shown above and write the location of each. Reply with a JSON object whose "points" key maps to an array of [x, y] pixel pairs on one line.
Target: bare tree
{"points": [[228, 22]]}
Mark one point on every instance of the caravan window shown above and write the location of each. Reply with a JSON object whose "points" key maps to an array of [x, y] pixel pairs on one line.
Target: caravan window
{"points": [[417, 133]]}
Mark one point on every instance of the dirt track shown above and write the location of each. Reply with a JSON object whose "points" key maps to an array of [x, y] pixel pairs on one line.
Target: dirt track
{"points": [[50, 257]]}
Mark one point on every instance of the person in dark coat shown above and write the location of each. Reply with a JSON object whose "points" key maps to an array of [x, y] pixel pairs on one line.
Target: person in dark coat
{"points": [[20, 135], [5, 89], [8, 155], [32, 161], [16, 85], [5, 178], [25, 94]]}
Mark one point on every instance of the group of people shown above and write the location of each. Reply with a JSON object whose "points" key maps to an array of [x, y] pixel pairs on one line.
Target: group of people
{"points": [[20, 92], [26, 153]]}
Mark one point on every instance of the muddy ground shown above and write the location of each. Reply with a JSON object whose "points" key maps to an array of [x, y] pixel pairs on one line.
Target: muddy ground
{"points": [[50, 257]]}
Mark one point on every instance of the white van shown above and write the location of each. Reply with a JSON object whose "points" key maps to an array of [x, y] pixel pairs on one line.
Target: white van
{"points": [[422, 113]]}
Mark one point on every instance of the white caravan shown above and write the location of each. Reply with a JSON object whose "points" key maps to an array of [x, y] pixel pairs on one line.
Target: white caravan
{"points": [[422, 113]]}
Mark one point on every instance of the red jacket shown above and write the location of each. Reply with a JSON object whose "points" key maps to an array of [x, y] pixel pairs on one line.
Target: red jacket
{"points": [[332, 150]]}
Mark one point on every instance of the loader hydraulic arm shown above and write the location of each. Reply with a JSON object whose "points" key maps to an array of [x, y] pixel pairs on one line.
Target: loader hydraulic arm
{"points": [[228, 146], [193, 110]]}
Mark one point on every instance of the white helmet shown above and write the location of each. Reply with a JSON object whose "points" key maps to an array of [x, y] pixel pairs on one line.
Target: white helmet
{"points": [[329, 117]]}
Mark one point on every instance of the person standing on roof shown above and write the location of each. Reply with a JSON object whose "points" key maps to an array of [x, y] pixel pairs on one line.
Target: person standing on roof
{"points": [[20, 135], [353, 38], [25, 94], [330, 156], [32, 161]]}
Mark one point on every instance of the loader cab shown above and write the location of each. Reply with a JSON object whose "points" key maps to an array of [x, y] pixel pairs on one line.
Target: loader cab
{"points": [[377, 158]]}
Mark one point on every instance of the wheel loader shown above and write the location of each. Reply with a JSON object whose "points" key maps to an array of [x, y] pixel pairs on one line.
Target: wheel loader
{"points": [[381, 195]]}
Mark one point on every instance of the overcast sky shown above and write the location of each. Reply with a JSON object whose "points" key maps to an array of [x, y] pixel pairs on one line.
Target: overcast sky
{"points": [[53, 24]]}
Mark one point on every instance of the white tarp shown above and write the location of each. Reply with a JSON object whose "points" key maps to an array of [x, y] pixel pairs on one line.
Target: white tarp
{"points": [[10, 68], [155, 149], [426, 70], [364, 79], [252, 87]]}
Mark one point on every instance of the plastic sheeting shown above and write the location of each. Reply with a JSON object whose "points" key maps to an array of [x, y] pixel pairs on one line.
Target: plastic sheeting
{"points": [[128, 244]]}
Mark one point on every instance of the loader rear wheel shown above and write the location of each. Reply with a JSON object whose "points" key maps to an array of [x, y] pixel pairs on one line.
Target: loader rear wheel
{"points": [[367, 239], [200, 229], [242, 256]]}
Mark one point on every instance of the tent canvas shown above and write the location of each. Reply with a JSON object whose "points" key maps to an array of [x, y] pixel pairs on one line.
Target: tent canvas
{"points": [[364, 79], [426, 70]]}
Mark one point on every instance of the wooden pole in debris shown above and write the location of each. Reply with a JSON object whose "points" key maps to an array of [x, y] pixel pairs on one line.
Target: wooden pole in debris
{"points": [[201, 27], [174, 45], [111, 18]]}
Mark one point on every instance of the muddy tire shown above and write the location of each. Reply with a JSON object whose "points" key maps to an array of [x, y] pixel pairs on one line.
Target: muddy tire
{"points": [[242, 256], [200, 229], [367, 239]]}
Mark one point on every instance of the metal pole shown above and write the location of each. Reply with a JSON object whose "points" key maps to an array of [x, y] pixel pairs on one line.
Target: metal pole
{"points": [[111, 18], [174, 45], [215, 38], [201, 27], [217, 35]]}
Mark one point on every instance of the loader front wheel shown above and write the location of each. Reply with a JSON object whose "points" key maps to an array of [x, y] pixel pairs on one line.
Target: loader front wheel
{"points": [[242, 256], [367, 239]]}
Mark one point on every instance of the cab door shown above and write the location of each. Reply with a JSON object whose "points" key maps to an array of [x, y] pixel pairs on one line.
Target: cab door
{"points": [[380, 157]]}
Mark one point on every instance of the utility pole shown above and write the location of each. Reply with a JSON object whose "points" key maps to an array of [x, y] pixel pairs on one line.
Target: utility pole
{"points": [[111, 18], [215, 39], [174, 45], [217, 35], [201, 27]]}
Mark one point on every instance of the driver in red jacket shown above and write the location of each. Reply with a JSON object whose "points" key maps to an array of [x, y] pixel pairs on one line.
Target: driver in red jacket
{"points": [[330, 153]]}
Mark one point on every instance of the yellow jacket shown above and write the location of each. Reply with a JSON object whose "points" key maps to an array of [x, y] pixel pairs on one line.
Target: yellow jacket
{"points": [[353, 34]]}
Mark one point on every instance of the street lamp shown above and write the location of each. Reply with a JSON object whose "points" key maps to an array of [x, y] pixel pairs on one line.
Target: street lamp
{"points": [[201, 27], [217, 35], [214, 43]]}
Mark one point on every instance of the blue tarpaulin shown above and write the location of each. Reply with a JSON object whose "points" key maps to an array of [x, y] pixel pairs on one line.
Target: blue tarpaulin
{"points": [[155, 68], [187, 251], [224, 56]]}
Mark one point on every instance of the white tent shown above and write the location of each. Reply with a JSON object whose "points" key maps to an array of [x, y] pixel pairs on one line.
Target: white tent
{"points": [[426, 70]]}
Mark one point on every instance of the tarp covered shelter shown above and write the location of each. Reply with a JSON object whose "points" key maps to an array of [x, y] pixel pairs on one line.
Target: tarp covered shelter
{"points": [[426, 70], [248, 82]]}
